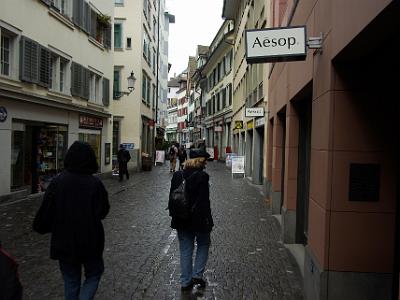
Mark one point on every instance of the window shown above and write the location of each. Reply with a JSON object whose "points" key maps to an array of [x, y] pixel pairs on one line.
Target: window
{"points": [[59, 73], [146, 83], [154, 96], [128, 43], [146, 46], [119, 2], [63, 6], [63, 71], [95, 88], [154, 61], [8, 53], [229, 92], [117, 83], [5, 51], [118, 35], [228, 62], [154, 27], [145, 8]]}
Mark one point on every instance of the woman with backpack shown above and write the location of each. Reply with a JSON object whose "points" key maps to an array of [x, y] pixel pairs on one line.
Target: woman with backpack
{"points": [[197, 227]]}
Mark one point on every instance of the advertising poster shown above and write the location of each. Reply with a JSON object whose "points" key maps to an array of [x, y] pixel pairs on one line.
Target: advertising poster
{"points": [[237, 164], [210, 151], [160, 157]]}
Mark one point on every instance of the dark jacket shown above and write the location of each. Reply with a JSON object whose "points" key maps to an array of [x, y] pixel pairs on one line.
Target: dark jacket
{"points": [[72, 209], [182, 155], [123, 156], [10, 286], [197, 189]]}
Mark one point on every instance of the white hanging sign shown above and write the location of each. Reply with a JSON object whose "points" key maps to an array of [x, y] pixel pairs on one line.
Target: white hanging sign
{"points": [[276, 44]]}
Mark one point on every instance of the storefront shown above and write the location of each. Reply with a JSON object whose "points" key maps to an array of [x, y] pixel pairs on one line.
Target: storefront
{"points": [[35, 138], [90, 132], [37, 154]]}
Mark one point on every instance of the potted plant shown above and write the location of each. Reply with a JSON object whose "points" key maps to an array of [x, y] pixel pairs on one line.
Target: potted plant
{"points": [[104, 20]]}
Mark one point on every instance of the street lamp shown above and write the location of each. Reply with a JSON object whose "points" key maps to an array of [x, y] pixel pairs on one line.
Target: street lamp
{"points": [[131, 87], [131, 82]]}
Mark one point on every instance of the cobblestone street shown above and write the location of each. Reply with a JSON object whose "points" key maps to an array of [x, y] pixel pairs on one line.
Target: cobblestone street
{"points": [[247, 260]]}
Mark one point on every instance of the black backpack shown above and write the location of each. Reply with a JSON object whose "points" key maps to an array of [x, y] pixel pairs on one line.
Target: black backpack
{"points": [[171, 151], [179, 204]]}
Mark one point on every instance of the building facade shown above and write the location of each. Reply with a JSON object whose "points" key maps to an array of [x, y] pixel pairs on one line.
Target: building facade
{"points": [[172, 124], [249, 88], [331, 159], [218, 106], [134, 114], [54, 88]]}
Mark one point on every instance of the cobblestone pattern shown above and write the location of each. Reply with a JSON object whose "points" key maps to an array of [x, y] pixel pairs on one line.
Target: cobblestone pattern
{"points": [[247, 260]]}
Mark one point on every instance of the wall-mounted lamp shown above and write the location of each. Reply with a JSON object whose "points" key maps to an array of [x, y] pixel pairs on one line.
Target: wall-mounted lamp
{"points": [[131, 86]]}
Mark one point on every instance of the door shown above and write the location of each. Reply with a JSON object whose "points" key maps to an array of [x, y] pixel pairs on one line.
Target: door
{"points": [[304, 109]]}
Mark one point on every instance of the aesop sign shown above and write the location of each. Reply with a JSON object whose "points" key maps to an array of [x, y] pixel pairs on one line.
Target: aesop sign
{"points": [[275, 44]]}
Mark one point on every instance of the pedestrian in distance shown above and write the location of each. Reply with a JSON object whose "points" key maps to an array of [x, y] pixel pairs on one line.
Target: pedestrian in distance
{"points": [[173, 153], [182, 155], [197, 227], [72, 210], [123, 158], [10, 285]]}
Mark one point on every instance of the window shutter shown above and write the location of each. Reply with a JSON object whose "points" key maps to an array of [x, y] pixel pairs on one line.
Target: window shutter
{"points": [[75, 12], [76, 80], [44, 67], [29, 60], [107, 35], [106, 92], [86, 83], [78, 10], [93, 23], [86, 17]]}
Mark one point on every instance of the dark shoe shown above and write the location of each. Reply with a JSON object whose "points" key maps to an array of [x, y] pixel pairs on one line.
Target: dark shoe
{"points": [[199, 281], [187, 288]]}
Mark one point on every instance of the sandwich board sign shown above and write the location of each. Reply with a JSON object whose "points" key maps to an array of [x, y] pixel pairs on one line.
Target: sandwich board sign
{"points": [[237, 165], [276, 44]]}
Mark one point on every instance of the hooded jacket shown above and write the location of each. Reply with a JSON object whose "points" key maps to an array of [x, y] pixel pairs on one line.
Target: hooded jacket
{"points": [[198, 191], [72, 209]]}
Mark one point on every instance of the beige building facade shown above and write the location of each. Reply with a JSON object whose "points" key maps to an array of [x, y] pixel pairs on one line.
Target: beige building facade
{"points": [[56, 68], [249, 88]]}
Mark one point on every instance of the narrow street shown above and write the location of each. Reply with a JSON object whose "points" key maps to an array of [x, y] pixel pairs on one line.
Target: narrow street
{"points": [[247, 260]]}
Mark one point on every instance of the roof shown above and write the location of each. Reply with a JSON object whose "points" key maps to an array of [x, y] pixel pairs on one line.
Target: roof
{"points": [[173, 82], [229, 9], [202, 50], [192, 66]]}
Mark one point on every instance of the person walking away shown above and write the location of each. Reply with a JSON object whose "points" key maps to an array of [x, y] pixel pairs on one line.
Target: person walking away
{"points": [[10, 285], [182, 155], [73, 207], [198, 226], [123, 157], [173, 152]]}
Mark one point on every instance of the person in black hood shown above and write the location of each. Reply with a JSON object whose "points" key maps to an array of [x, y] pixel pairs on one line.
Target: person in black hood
{"points": [[199, 225], [72, 209]]}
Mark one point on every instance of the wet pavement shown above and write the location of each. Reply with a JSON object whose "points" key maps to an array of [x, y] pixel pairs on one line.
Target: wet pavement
{"points": [[246, 261]]}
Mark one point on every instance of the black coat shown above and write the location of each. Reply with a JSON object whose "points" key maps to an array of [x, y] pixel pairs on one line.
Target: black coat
{"points": [[123, 156], [10, 286], [198, 191], [72, 209]]}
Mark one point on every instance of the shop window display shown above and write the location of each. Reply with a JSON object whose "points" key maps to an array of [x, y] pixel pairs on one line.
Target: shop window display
{"points": [[94, 140], [37, 154], [50, 152]]}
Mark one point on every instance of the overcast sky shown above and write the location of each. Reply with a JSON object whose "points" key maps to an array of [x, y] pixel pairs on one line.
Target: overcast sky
{"points": [[196, 23]]}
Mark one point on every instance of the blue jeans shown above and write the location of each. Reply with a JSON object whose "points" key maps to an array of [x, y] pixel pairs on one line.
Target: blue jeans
{"points": [[186, 246], [72, 273]]}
